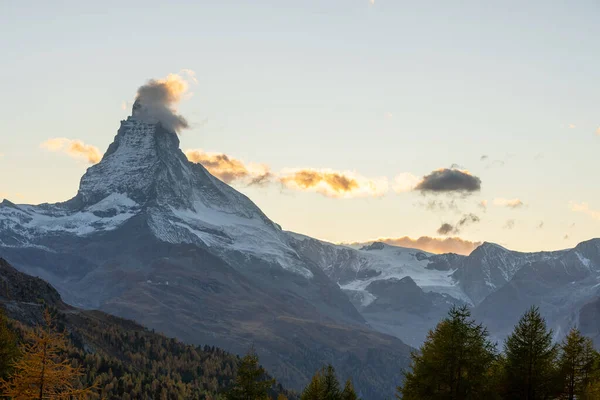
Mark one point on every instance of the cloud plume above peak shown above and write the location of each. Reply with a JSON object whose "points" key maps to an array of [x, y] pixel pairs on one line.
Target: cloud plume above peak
{"points": [[157, 101], [73, 148]]}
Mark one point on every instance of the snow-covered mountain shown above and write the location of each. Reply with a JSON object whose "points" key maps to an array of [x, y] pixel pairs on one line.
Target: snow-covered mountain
{"points": [[405, 292], [153, 237]]}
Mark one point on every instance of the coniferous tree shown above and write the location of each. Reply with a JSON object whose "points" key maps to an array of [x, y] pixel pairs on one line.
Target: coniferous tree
{"points": [[453, 363], [315, 389], [576, 364], [250, 382], [8, 347], [530, 371], [41, 373], [331, 385], [349, 393]]}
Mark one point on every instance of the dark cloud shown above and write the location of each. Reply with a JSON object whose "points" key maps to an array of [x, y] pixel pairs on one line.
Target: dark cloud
{"points": [[449, 229], [540, 225], [439, 205], [467, 219], [483, 157], [449, 181], [445, 229]]}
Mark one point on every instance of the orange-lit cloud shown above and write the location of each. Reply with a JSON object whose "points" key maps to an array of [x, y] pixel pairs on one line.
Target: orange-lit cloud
{"points": [[584, 208], [598, 131], [230, 169], [333, 183], [510, 203], [74, 148], [433, 244]]}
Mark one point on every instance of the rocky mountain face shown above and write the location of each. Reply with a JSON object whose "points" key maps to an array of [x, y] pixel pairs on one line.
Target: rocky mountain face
{"points": [[560, 285], [153, 237], [405, 292], [138, 358]]}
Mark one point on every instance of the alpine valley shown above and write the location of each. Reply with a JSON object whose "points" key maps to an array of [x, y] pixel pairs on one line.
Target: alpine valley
{"points": [[155, 238]]}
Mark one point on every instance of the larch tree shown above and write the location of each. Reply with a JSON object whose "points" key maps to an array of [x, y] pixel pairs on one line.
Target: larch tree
{"points": [[315, 389], [530, 371], [453, 363], [8, 347], [348, 393], [41, 372]]}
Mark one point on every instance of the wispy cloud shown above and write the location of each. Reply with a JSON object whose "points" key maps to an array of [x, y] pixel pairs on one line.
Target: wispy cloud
{"points": [[483, 205], [73, 148], [449, 229], [572, 126], [405, 182], [328, 182], [333, 183], [510, 203], [230, 169], [584, 208], [510, 224]]}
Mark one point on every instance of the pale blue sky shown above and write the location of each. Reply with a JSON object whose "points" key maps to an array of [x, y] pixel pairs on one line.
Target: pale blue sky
{"points": [[380, 89]]}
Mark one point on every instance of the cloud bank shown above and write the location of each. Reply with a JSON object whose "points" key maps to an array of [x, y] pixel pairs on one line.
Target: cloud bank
{"points": [[73, 148], [434, 245]]}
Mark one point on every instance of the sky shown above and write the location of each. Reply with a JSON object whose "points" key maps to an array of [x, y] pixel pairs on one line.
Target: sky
{"points": [[351, 106]]}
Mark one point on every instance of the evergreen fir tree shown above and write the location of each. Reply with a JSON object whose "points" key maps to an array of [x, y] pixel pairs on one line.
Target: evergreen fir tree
{"points": [[250, 382], [349, 393], [453, 363], [40, 373], [530, 371], [8, 347]]}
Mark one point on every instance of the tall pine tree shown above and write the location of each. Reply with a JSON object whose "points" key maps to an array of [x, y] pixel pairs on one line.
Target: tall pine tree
{"points": [[530, 371], [453, 363], [250, 382]]}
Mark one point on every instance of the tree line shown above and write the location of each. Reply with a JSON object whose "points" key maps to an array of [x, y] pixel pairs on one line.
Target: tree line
{"points": [[458, 361]]}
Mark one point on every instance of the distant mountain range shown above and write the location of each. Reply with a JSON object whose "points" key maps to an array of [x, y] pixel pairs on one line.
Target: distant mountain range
{"points": [[153, 237]]}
